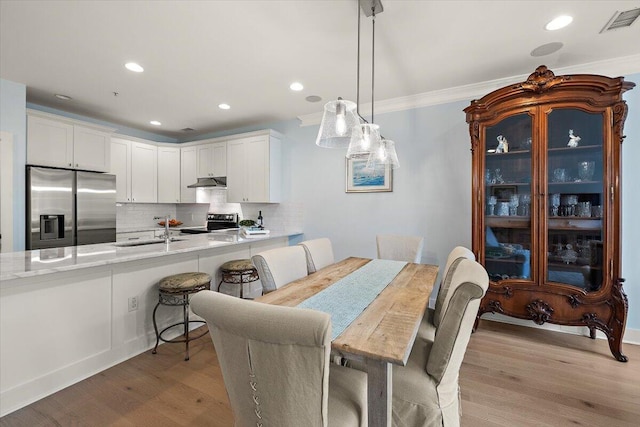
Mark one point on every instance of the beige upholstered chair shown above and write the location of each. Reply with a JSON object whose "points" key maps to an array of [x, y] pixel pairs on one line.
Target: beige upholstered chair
{"points": [[432, 317], [319, 254], [277, 267], [275, 365], [400, 248], [425, 391]]}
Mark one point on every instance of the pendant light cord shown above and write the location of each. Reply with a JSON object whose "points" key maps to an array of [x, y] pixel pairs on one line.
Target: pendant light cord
{"points": [[373, 55], [358, 68]]}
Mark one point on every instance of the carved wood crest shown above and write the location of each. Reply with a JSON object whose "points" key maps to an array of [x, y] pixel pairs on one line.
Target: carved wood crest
{"points": [[541, 80], [539, 311]]}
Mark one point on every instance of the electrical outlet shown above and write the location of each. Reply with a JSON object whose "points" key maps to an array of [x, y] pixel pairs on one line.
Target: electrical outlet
{"points": [[133, 303]]}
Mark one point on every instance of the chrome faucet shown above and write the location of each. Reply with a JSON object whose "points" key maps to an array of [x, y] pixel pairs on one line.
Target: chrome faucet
{"points": [[166, 227]]}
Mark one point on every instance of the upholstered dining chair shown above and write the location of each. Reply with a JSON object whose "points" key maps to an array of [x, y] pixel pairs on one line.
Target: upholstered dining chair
{"points": [[425, 390], [277, 267], [433, 317], [400, 248], [275, 365], [319, 253]]}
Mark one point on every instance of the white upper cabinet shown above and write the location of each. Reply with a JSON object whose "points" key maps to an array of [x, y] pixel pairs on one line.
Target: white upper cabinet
{"points": [[188, 175], [121, 168], [254, 169], [144, 173], [135, 165], [212, 159], [65, 144], [168, 175], [91, 149]]}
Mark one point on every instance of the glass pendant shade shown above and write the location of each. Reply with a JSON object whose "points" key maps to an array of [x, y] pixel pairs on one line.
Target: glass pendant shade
{"points": [[365, 139], [384, 154], [337, 124]]}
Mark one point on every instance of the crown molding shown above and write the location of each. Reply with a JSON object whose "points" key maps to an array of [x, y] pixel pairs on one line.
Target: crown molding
{"points": [[611, 67]]}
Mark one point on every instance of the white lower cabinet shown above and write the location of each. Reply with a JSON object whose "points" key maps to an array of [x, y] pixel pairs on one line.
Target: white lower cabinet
{"points": [[168, 175], [254, 169]]}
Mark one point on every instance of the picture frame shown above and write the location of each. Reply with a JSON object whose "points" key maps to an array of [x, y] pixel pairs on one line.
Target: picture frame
{"points": [[359, 179]]}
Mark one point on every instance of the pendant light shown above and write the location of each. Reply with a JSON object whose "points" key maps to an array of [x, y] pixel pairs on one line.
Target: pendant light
{"points": [[337, 124], [342, 125]]}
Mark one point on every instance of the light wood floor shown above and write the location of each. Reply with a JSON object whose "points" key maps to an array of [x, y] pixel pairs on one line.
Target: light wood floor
{"points": [[511, 376]]}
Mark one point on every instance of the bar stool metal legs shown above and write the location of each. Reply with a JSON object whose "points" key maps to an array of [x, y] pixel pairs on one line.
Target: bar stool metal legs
{"points": [[175, 291]]}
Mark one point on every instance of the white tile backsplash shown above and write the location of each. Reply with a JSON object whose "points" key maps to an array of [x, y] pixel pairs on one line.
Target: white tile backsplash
{"points": [[278, 217]]}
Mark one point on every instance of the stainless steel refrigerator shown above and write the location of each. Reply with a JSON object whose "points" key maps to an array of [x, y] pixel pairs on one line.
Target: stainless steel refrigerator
{"points": [[67, 208]]}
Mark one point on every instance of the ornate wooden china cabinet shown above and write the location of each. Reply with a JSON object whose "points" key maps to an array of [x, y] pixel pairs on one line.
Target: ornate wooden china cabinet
{"points": [[546, 200]]}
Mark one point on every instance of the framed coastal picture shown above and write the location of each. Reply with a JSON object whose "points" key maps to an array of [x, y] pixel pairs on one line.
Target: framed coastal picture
{"points": [[361, 179]]}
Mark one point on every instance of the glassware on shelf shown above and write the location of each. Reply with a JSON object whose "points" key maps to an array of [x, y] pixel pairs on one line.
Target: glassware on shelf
{"points": [[568, 204], [525, 203], [488, 179], [596, 211], [503, 209], [554, 201], [583, 209], [514, 201], [560, 175], [569, 256], [498, 176], [586, 170], [491, 205]]}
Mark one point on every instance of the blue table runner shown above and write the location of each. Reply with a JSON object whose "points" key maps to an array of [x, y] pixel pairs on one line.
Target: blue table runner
{"points": [[347, 298]]}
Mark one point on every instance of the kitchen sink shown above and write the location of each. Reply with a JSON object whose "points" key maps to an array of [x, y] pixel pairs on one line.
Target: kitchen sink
{"points": [[129, 243]]}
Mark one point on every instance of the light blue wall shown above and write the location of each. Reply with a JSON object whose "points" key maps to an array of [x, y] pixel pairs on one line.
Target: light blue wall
{"points": [[13, 119]]}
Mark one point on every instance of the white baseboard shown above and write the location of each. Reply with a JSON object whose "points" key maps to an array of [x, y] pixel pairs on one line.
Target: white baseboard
{"points": [[631, 336]]}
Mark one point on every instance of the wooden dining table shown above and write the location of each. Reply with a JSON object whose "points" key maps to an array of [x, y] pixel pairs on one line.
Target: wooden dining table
{"points": [[383, 334]]}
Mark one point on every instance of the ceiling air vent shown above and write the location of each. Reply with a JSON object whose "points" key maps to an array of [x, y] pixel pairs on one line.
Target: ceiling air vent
{"points": [[621, 20], [187, 130]]}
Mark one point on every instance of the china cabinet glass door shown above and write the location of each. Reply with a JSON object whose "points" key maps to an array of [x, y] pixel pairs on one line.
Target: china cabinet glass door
{"points": [[507, 197], [575, 198]]}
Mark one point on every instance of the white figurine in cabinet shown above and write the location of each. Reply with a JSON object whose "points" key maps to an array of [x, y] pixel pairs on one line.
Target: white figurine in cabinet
{"points": [[573, 139], [503, 145]]}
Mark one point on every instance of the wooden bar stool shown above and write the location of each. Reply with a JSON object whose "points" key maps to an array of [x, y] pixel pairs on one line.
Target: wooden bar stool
{"points": [[174, 291], [238, 272]]}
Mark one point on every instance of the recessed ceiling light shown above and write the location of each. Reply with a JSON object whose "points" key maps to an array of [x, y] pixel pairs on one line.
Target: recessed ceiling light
{"points": [[313, 98], [559, 22], [224, 106], [155, 122], [297, 86], [547, 49], [63, 97], [132, 66]]}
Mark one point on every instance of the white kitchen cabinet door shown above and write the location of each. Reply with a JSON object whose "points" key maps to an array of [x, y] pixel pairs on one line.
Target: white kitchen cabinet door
{"points": [[49, 142], [219, 161], [212, 159], [168, 175], [91, 149], [144, 173], [188, 174], [121, 168], [254, 169], [236, 171]]}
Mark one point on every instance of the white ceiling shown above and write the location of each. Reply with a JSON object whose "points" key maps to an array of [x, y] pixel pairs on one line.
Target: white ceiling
{"points": [[198, 54]]}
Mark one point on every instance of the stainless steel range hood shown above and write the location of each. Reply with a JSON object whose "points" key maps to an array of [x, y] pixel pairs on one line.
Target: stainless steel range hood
{"points": [[218, 181]]}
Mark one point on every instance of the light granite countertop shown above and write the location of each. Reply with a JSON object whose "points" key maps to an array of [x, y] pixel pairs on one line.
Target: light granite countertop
{"points": [[15, 265]]}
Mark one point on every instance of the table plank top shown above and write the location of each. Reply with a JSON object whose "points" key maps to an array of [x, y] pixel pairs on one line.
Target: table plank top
{"points": [[385, 330]]}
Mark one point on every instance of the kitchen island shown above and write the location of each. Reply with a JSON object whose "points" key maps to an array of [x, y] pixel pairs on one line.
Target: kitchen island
{"points": [[68, 313]]}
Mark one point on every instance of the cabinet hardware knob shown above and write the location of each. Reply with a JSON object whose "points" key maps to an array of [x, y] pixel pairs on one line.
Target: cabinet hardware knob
{"points": [[69, 164], [76, 165]]}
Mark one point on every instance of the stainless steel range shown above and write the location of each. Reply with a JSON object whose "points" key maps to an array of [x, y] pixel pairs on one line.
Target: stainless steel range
{"points": [[215, 222]]}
